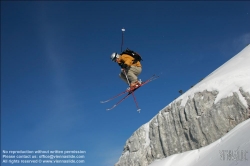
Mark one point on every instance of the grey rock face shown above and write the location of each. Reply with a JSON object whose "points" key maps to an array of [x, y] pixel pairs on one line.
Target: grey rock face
{"points": [[177, 129]]}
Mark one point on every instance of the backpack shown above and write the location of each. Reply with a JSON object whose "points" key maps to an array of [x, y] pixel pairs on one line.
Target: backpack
{"points": [[135, 55]]}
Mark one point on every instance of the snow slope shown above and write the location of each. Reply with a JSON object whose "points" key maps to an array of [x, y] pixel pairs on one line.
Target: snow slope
{"points": [[227, 79], [236, 142]]}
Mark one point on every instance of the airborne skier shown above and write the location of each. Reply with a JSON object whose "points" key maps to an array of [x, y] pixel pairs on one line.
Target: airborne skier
{"points": [[131, 68]]}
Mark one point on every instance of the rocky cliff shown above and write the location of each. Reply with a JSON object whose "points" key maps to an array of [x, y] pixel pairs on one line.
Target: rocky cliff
{"points": [[199, 117]]}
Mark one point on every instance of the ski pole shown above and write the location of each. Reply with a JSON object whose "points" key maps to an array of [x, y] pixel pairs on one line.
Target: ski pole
{"points": [[138, 109], [123, 30], [126, 76]]}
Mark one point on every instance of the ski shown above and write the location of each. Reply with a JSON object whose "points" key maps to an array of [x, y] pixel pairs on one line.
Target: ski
{"points": [[129, 92], [150, 79], [114, 97], [118, 102], [143, 83]]}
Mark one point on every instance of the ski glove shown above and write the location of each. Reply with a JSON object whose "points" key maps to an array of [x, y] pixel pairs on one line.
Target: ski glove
{"points": [[123, 65]]}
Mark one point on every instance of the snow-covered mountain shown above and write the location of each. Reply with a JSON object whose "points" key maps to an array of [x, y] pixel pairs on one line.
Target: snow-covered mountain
{"points": [[200, 117]]}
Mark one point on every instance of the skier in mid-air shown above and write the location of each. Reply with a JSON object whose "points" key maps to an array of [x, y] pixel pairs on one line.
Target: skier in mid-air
{"points": [[129, 61], [131, 68]]}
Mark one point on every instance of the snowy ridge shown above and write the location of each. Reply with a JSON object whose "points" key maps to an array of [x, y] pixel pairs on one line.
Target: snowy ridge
{"points": [[227, 79]]}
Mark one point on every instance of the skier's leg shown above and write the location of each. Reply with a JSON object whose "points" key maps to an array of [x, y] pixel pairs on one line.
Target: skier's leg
{"points": [[133, 73], [123, 77]]}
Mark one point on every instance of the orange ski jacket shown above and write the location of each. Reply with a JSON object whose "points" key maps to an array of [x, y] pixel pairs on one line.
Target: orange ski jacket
{"points": [[128, 60]]}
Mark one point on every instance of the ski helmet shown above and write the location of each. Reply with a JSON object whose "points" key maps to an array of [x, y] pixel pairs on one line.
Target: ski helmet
{"points": [[114, 56]]}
